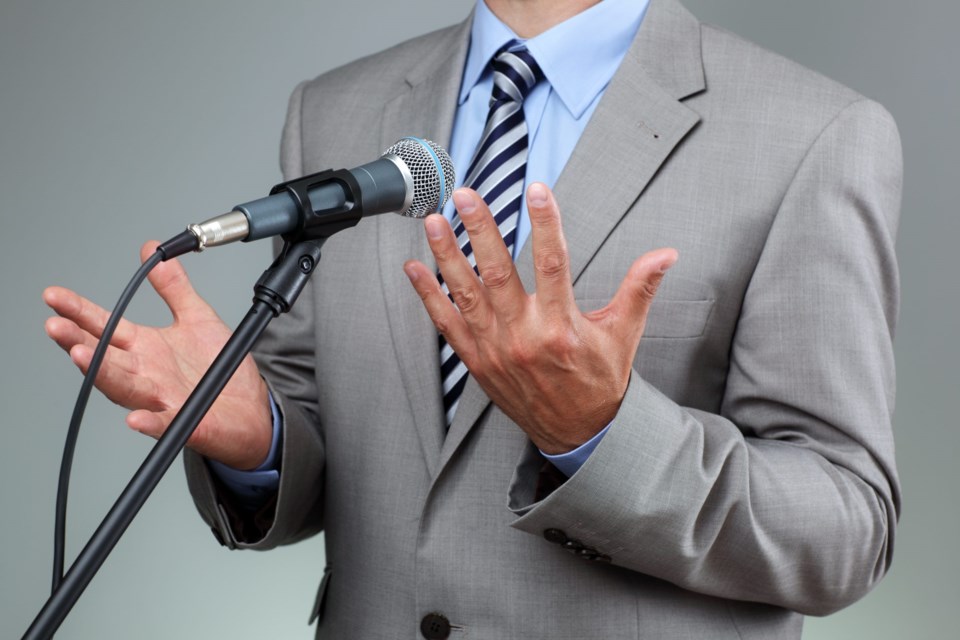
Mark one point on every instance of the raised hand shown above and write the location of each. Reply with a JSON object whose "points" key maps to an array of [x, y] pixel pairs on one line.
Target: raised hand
{"points": [[560, 374], [151, 371]]}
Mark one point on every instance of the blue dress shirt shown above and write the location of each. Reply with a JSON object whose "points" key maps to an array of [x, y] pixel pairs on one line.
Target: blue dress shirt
{"points": [[578, 57]]}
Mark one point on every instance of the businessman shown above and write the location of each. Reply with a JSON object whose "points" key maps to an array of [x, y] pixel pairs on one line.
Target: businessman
{"points": [[636, 383]]}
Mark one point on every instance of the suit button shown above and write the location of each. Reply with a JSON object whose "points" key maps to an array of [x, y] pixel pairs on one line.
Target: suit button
{"points": [[555, 536], [435, 627], [588, 554], [572, 545]]}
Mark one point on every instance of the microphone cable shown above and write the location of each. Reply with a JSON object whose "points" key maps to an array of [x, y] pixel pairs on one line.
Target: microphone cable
{"points": [[175, 246], [426, 176]]}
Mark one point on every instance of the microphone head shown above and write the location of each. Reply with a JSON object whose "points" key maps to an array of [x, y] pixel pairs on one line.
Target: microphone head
{"points": [[431, 171]]}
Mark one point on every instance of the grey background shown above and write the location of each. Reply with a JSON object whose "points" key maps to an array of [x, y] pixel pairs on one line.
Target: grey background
{"points": [[124, 120]]}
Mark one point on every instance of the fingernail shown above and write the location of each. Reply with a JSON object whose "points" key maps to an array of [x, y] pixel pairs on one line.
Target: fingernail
{"points": [[464, 201], [434, 228], [537, 193], [669, 262]]}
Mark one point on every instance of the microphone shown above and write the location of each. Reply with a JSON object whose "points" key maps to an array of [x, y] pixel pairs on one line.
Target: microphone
{"points": [[413, 177]]}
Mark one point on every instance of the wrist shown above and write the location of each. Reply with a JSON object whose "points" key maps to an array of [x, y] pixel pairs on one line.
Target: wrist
{"points": [[255, 445], [576, 433], [264, 452]]}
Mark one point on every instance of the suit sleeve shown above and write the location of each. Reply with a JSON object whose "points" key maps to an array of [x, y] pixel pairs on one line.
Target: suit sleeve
{"points": [[285, 357], [789, 496]]}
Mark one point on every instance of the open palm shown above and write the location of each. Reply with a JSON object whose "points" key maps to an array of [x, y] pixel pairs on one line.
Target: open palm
{"points": [[151, 371]]}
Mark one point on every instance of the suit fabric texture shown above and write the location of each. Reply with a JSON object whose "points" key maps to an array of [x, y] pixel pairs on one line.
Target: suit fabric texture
{"points": [[749, 476]]}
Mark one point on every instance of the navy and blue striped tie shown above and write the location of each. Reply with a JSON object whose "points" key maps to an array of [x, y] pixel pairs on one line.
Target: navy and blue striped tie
{"points": [[497, 173]]}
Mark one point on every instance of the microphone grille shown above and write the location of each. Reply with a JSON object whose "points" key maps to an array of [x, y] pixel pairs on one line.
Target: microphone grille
{"points": [[432, 172]]}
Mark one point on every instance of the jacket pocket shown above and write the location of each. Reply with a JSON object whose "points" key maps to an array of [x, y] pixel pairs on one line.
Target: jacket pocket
{"points": [[668, 318]]}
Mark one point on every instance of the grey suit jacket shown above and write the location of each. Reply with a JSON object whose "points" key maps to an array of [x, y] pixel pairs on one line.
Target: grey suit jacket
{"points": [[750, 472]]}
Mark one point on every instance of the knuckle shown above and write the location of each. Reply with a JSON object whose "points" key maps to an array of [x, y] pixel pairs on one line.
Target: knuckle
{"points": [[551, 263], [559, 340], [443, 325], [649, 289], [465, 298], [519, 353], [476, 224], [443, 253], [497, 276], [426, 294], [481, 363], [84, 309]]}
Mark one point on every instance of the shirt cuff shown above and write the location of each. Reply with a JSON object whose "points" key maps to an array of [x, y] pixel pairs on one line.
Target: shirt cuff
{"points": [[252, 487], [570, 462]]}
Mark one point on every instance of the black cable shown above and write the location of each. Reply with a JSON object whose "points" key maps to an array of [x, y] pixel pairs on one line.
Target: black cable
{"points": [[275, 293], [73, 431]]}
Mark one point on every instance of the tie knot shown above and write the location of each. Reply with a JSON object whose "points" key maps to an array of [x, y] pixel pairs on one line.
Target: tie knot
{"points": [[514, 74]]}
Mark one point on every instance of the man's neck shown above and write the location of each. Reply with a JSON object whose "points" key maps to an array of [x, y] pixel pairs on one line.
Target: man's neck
{"points": [[530, 18]]}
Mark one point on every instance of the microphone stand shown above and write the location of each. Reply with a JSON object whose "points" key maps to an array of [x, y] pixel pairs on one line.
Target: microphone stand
{"points": [[275, 292]]}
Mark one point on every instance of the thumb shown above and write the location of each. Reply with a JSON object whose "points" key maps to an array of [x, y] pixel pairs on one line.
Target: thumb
{"points": [[631, 303], [146, 422], [170, 280]]}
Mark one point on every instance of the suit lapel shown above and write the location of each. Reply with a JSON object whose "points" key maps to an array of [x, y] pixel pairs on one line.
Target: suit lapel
{"points": [[425, 110], [636, 126]]}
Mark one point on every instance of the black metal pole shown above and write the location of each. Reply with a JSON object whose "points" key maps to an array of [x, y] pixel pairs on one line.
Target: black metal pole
{"points": [[276, 292]]}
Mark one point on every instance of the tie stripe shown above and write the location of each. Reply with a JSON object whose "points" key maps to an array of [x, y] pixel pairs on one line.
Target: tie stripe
{"points": [[497, 173]]}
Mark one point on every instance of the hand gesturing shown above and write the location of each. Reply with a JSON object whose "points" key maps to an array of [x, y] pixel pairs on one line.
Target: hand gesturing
{"points": [[560, 374], [151, 371]]}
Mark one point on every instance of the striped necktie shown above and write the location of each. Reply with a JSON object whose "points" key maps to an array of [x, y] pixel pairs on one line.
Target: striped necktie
{"points": [[497, 173]]}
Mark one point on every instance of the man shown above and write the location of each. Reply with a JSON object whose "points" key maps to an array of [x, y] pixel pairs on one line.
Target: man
{"points": [[704, 454]]}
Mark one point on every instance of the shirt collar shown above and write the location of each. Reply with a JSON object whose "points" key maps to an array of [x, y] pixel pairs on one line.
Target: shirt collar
{"points": [[578, 56]]}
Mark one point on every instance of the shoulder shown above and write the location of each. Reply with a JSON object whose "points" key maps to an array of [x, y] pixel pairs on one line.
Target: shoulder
{"points": [[746, 83], [373, 79], [732, 61], [342, 107]]}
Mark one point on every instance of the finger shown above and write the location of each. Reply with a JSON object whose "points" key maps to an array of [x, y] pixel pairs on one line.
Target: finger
{"points": [[629, 307], [155, 423], [88, 316], [494, 262], [122, 363], [117, 379], [550, 258], [147, 422], [444, 315], [458, 275], [170, 280], [67, 334]]}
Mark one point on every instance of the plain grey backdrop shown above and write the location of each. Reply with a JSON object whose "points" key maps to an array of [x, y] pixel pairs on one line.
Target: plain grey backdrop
{"points": [[124, 120]]}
